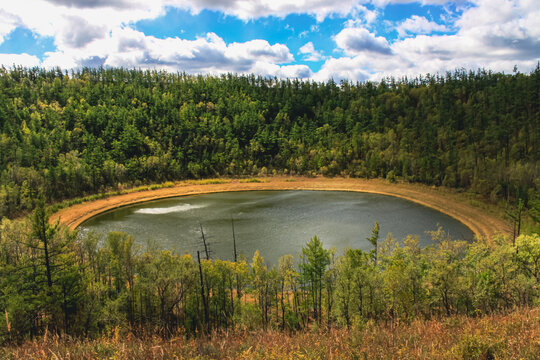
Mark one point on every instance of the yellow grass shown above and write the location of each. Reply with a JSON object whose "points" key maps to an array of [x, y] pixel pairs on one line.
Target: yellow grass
{"points": [[500, 336]]}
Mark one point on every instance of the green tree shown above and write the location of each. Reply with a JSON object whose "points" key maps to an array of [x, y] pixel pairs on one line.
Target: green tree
{"points": [[315, 259], [373, 239], [289, 279], [444, 279], [261, 285], [170, 278]]}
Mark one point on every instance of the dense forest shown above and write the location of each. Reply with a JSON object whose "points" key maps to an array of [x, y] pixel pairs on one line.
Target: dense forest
{"points": [[65, 135], [69, 134]]}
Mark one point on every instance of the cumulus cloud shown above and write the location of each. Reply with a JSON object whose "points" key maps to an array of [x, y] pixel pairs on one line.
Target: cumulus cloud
{"points": [[286, 71], [503, 29], [261, 50], [19, 59], [79, 32], [247, 9], [354, 40], [494, 34], [344, 69], [363, 15], [250, 9], [294, 71], [209, 54], [50, 19], [98, 33], [85, 4], [383, 3], [310, 53], [419, 25], [8, 23]]}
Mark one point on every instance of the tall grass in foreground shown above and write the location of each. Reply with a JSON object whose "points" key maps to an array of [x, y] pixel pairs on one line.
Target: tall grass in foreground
{"points": [[515, 335]]}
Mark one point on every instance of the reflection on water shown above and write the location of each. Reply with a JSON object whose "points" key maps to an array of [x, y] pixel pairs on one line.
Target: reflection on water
{"points": [[274, 222]]}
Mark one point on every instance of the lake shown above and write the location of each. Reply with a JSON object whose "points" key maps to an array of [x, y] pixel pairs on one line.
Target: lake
{"points": [[273, 222]]}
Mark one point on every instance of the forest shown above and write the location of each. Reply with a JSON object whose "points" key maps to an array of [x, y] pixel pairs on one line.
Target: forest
{"points": [[65, 135]]}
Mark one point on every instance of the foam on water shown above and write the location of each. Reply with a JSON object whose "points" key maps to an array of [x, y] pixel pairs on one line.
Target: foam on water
{"points": [[168, 210]]}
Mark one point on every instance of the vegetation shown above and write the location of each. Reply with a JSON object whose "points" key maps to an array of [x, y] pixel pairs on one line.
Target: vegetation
{"points": [[510, 336], [94, 132]]}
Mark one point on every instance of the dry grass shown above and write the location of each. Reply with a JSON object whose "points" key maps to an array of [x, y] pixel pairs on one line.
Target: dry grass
{"points": [[511, 336], [208, 181], [252, 180]]}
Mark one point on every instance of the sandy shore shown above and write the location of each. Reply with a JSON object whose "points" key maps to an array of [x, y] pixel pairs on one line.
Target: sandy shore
{"points": [[481, 222]]}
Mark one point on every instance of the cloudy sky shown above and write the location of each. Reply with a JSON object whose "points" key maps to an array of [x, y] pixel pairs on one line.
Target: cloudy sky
{"points": [[315, 39]]}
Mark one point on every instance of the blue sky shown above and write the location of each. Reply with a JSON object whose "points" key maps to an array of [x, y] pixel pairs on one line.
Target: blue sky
{"points": [[314, 39]]}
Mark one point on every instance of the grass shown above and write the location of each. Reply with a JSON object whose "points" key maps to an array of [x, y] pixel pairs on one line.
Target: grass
{"points": [[500, 336], [251, 180], [208, 181]]}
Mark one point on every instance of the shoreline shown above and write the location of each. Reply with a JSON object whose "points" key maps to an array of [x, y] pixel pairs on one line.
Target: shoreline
{"points": [[479, 221]]}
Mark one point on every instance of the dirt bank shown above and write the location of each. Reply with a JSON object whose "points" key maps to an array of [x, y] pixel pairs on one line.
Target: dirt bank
{"points": [[482, 222]]}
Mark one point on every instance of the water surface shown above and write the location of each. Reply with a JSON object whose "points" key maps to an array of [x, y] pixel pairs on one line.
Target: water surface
{"points": [[273, 222]]}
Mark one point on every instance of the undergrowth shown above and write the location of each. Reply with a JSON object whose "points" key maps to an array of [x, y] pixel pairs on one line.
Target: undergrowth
{"points": [[500, 336]]}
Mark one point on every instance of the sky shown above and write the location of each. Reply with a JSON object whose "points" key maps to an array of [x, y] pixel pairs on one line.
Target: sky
{"points": [[308, 39]]}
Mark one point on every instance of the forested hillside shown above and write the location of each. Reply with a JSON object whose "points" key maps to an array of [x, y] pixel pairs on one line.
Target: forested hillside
{"points": [[65, 135]]}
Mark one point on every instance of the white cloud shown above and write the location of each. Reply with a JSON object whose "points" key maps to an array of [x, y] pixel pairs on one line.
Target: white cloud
{"points": [[92, 4], [78, 32], [19, 59], [251, 9], [343, 69], [98, 33], [383, 3], [363, 15], [75, 23], [210, 54], [261, 50], [310, 53], [294, 71], [248, 9], [505, 29], [355, 40], [493, 34], [8, 23], [419, 25]]}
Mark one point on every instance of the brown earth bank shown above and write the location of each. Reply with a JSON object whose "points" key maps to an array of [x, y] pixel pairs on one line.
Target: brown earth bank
{"points": [[498, 336], [482, 222]]}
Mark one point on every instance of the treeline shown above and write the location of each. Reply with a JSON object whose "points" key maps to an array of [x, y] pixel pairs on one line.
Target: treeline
{"points": [[52, 281], [69, 134]]}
